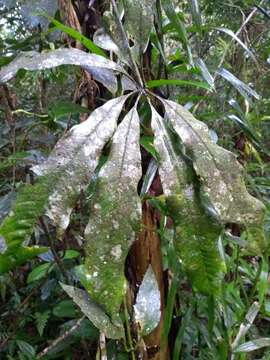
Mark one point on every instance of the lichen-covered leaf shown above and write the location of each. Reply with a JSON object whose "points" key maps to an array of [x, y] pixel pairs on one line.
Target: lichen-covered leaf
{"points": [[147, 306], [114, 217], [196, 232], [33, 60], [222, 186], [94, 313], [75, 158], [139, 17], [106, 77]]}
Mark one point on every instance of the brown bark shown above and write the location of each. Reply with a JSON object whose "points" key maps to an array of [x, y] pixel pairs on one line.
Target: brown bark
{"points": [[144, 252]]}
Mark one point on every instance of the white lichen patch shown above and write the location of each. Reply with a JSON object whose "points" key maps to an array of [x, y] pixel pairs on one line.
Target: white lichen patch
{"points": [[116, 252]]}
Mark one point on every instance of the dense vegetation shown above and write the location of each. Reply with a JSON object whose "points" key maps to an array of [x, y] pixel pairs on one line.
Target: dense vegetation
{"points": [[134, 179]]}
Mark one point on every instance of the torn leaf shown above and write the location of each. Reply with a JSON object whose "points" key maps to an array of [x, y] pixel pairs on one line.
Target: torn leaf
{"points": [[147, 306], [115, 216]]}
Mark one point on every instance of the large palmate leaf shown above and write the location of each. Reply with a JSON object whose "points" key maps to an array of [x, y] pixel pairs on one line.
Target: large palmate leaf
{"points": [[63, 176], [222, 185], [196, 232], [114, 216], [75, 158], [139, 17], [33, 60]]}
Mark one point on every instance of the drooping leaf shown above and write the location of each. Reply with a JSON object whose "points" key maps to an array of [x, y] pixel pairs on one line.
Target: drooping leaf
{"points": [[245, 90], [75, 158], [39, 272], [178, 26], [196, 15], [196, 232], [253, 345], [240, 42], [114, 217], [94, 313], [205, 72], [33, 60], [222, 186], [104, 40], [147, 306], [105, 76], [139, 17]]}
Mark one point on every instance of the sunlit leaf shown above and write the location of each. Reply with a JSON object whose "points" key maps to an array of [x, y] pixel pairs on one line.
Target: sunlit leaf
{"points": [[147, 306], [33, 60]]}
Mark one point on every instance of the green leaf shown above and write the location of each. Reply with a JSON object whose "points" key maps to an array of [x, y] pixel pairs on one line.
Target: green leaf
{"points": [[147, 143], [71, 254], [112, 330], [236, 38], [205, 73], [222, 187], [196, 15], [178, 26], [108, 237], [253, 345], [62, 108], [196, 232], [64, 309], [156, 83], [41, 320], [26, 349], [33, 60], [263, 283], [147, 306], [39, 272], [87, 43], [139, 17]]}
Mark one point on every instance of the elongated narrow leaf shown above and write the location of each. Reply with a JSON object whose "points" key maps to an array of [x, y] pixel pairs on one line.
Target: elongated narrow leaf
{"points": [[156, 83], [139, 17], [33, 60], [94, 313], [240, 42], [196, 15], [222, 187], [245, 326], [114, 216], [147, 306], [87, 43], [75, 158], [106, 77], [178, 26], [196, 233], [253, 345], [245, 90], [205, 72]]}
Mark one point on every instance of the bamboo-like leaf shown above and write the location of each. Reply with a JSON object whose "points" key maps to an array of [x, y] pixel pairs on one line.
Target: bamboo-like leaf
{"points": [[33, 60], [196, 15], [75, 158], [245, 90], [178, 26], [196, 233], [240, 42], [139, 17], [222, 186], [178, 82], [253, 345], [205, 72], [115, 215], [94, 313], [147, 306]]}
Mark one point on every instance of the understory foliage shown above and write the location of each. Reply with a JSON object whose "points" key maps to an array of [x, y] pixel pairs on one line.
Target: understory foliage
{"points": [[178, 106]]}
